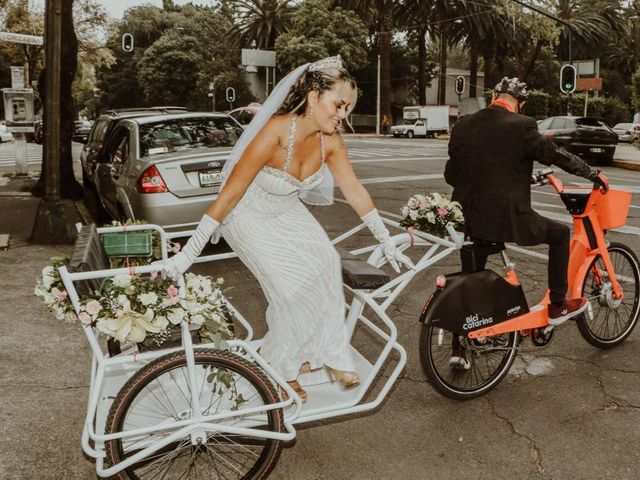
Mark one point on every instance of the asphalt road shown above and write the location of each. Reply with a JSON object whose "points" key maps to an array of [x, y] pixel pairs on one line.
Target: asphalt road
{"points": [[566, 411]]}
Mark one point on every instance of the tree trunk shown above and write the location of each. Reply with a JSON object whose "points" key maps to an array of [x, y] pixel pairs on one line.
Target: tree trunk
{"points": [[442, 77], [473, 67], [488, 70], [532, 60], [386, 25], [69, 186], [422, 67]]}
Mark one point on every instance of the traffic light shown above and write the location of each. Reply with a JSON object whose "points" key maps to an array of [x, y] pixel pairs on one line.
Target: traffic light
{"points": [[460, 84], [568, 76], [231, 94], [127, 42]]}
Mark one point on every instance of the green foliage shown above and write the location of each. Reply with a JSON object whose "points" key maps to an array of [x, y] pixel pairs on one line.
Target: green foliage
{"points": [[537, 105], [635, 89], [611, 109], [318, 31]]}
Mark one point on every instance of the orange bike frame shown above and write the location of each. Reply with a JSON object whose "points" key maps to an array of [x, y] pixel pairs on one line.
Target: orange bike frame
{"points": [[581, 256]]}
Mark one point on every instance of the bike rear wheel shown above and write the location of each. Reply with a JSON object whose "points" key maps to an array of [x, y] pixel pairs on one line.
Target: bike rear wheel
{"points": [[609, 320], [489, 359], [159, 394]]}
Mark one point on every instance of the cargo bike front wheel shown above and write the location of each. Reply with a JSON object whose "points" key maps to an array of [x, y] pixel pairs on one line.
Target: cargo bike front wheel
{"points": [[160, 394]]}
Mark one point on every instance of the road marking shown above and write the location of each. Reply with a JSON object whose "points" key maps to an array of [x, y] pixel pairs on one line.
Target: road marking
{"points": [[569, 219], [399, 159], [557, 196], [405, 178]]}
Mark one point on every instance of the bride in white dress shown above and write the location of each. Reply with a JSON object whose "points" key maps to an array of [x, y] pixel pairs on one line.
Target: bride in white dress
{"points": [[292, 150]]}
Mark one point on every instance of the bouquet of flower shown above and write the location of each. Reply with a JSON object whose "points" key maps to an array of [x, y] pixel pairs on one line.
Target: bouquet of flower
{"points": [[130, 307], [53, 293], [431, 213]]}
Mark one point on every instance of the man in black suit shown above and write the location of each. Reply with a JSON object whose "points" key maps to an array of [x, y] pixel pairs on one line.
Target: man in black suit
{"points": [[491, 161]]}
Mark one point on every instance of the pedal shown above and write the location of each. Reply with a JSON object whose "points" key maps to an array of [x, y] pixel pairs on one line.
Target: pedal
{"points": [[541, 338]]}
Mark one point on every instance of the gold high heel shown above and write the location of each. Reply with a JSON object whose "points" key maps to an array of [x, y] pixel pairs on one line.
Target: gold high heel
{"points": [[296, 388], [346, 379]]}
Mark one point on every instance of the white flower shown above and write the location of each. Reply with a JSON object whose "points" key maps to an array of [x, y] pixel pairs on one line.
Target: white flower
{"points": [[122, 281], [48, 281], [48, 271], [176, 315], [404, 211], [148, 298], [431, 218], [207, 288], [413, 214], [197, 319], [123, 301], [93, 307], [193, 282], [85, 318], [70, 316], [131, 326], [161, 322], [412, 203]]}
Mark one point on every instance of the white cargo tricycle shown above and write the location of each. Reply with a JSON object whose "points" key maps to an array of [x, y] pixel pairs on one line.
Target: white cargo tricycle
{"points": [[201, 412]]}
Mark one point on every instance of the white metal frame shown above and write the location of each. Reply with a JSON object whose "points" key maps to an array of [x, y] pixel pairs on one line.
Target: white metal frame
{"points": [[108, 374]]}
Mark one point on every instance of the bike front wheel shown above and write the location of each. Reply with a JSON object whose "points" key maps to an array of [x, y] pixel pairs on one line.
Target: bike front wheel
{"points": [[160, 394], [489, 360], [608, 321]]}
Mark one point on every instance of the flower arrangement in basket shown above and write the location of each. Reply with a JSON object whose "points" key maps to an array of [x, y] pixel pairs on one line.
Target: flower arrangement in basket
{"points": [[132, 309], [431, 213]]}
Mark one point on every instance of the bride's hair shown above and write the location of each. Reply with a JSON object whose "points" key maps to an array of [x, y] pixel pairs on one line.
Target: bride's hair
{"points": [[319, 80]]}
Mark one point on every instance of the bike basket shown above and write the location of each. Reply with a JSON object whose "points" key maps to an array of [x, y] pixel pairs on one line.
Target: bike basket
{"points": [[612, 208], [128, 244]]}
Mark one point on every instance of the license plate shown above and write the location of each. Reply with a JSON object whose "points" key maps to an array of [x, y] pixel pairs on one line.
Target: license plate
{"points": [[596, 150], [209, 179]]}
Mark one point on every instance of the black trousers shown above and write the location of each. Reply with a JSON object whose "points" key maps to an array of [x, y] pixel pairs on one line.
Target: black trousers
{"points": [[557, 238]]}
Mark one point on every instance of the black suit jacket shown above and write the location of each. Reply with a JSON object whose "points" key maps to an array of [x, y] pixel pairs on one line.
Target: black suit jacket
{"points": [[491, 155]]}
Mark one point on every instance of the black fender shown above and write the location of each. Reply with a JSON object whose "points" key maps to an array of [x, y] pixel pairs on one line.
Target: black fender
{"points": [[471, 301]]}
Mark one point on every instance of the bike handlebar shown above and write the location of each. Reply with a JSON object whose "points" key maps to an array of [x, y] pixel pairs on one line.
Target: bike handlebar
{"points": [[541, 177]]}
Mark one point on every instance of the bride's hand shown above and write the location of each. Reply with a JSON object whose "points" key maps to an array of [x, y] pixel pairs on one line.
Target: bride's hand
{"points": [[394, 256]]}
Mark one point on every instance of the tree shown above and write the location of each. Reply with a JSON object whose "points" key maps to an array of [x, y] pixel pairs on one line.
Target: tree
{"points": [[318, 31], [69, 186], [635, 90], [261, 21]]}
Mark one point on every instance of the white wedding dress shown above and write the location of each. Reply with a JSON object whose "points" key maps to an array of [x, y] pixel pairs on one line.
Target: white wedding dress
{"points": [[298, 268]]}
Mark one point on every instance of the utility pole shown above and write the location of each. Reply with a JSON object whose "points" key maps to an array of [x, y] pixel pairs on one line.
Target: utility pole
{"points": [[378, 102], [56, 218]]}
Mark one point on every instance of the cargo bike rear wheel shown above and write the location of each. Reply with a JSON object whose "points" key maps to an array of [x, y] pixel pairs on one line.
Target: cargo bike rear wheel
{"points": [[159, 394]]}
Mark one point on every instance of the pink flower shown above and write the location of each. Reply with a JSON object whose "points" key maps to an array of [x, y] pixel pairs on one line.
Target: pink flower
{"points": [[60, 295], [442, 211], [172, 291], [85, 318], [93, 307], [154, 274]]}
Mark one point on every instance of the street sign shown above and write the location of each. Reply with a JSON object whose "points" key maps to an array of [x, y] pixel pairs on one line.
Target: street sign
{"points": [[231, 94], [258, 58], [17, 77], [20, 129], [19, 38], [568, 77], [583, 84]]}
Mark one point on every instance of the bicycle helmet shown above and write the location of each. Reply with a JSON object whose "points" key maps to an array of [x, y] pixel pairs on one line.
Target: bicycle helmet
{"points": [[513, 87]]}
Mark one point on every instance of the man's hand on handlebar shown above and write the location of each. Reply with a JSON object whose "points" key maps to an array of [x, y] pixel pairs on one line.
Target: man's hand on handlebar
{"points": [[599, 180]]}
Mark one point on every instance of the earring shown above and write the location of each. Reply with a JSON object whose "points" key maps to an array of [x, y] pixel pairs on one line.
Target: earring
{"points": [[310, 112]]}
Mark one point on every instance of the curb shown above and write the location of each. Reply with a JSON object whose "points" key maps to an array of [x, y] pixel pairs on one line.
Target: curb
{"points": [[626, 165]]}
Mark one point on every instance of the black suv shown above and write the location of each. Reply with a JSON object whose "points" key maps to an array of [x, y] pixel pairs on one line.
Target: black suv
{"points": [[588, 137], [93, 150]]}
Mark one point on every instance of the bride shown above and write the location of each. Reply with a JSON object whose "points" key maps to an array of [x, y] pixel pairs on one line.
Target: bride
{"points": [[291, 151]]}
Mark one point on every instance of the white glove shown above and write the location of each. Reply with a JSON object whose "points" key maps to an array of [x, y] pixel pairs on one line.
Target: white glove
{"points": [[375, 224], [180, 263]]}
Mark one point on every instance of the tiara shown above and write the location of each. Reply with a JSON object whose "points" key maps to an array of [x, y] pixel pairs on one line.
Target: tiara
{"points": [[326, 63]]}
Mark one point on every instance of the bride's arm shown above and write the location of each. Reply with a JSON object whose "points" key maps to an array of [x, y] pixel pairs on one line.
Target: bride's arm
{"points": [[257, 154], [344, 176]]}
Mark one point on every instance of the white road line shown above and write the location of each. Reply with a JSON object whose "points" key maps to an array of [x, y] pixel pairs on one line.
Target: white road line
{"points": [[569, 219], [628, 188], [405, 178], [539, 192], [399, 159]]}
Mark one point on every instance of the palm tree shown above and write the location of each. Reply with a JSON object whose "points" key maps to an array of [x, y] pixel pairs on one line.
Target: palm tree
{"points": [[261, 21], [379, 13]]}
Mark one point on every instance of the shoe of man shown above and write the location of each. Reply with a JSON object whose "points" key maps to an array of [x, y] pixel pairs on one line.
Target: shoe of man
{"points": [[560, 313], [458, 360]]}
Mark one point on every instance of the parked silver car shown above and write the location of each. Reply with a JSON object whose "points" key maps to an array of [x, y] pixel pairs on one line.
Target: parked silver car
{"points": [[164, 169], [628, 132]]}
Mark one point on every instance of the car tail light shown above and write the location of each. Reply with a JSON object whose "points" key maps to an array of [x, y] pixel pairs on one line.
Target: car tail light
{"points": [[151, 181]]}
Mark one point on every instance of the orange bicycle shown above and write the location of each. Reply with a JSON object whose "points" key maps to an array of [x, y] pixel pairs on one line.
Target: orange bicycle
{"points": [[486, 315]]}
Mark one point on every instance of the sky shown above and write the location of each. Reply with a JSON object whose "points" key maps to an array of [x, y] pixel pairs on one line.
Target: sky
{"points": [[116, 8]]}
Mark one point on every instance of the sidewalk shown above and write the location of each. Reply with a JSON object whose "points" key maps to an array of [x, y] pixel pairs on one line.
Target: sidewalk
{"points": [[627, 157]]}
